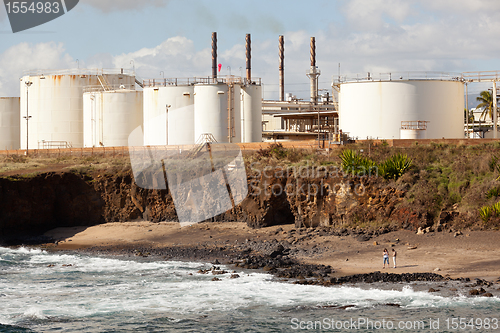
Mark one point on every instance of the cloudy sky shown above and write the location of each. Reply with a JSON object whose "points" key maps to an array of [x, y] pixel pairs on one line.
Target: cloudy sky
{"points": [[174, 36]]}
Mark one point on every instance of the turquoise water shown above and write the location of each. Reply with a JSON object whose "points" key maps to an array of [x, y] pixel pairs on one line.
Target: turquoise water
{"points": [[70, 292]]}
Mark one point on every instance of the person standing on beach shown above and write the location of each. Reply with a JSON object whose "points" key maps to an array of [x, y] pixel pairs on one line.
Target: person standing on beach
{"points": [[394, 253], [386, 257]]}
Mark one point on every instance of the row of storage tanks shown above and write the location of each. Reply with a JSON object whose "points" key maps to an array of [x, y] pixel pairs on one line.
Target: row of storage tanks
{"points": [[178, 115], [61, 111], [103, 109]]}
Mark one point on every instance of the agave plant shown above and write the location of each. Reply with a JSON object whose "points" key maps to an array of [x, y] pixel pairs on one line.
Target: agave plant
{"points": [[356, 164], [496, 208], [485, 213], [395, 166]]}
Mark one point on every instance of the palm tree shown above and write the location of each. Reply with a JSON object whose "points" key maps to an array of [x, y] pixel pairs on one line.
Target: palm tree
{"points": [[486, 103]]}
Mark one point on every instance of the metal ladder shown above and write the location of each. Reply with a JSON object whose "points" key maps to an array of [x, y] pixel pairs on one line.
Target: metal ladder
{"points": [[104, 83], [230, 114]]}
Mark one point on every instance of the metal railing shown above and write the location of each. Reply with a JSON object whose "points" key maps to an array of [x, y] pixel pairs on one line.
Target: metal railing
{"points": [[79, 71], [414, 125], [482, 76], [112, 87], [398, 76], [165, 82], [125, 151], [53, 144]]}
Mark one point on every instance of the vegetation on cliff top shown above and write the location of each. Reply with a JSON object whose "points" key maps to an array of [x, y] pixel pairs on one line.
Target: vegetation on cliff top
{"points": [[435, 177]]}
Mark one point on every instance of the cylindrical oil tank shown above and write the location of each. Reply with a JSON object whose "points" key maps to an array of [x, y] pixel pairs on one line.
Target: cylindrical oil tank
{"points": [[251, 114], [10, 123], [155, 115], [180, 112], [375, 109], [236, 98], [413, 134], [55, 104], [110, 117], [211, 111]]}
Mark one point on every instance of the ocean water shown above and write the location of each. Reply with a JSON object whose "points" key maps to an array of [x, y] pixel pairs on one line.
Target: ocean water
{"points": [[70, 292]]}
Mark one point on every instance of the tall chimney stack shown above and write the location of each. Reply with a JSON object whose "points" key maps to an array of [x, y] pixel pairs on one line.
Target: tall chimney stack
{"points": [[214, 56], [313, 52], [282, 67], [249, 58], [314, 73]]}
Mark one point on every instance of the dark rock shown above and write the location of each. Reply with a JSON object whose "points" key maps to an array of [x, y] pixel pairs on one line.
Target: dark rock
{"points": [[277, 251], [363, 238], [393, 304]]}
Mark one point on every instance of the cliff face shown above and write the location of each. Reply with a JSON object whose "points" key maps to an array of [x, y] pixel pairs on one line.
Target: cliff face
{"points": [[312, 199], [34, 205]]}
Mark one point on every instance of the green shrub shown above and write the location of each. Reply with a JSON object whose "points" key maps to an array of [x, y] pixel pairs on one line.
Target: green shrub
{"points": [[274, 150], [494, 192], [356, 164], [485, 213], [496, 208], [494, 165], [395, 166]]}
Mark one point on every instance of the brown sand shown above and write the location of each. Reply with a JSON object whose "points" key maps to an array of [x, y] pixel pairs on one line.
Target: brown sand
{"points": [[474, 254]]}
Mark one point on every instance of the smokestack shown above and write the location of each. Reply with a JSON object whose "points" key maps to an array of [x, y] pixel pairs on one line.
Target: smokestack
{"points": [[214, 56], [313, 52], [282, 68], [249, 58], [314, 73]]}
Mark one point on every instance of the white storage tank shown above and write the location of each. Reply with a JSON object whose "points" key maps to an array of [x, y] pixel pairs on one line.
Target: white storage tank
{"points": [[110, 117], [155, 116], [10, 123], [180, 113], [56, 104], [251, 114], [413, 134], [211, 112], [376, 109]]}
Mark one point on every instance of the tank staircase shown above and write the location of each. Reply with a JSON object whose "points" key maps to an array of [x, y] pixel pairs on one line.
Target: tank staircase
{"points": [[204, 141], [104, 83], [139, 82]]}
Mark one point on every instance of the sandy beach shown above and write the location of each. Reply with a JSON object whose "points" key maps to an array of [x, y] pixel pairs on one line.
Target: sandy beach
{"points": [[471, 255]]}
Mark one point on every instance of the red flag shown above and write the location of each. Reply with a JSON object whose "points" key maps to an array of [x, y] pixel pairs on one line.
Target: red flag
{"points": [[220, 66]]}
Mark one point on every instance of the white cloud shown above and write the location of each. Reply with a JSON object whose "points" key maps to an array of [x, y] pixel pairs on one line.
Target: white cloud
{"points": [[176, 57], [467, 7], [25, 56], [372, 14]]}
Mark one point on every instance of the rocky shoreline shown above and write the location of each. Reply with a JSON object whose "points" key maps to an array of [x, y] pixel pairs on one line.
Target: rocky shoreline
{"points": [[279, 263]]}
